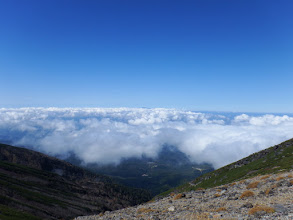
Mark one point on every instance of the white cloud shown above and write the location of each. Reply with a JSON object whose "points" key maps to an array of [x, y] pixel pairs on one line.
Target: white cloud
{"points": [[105, 135]]}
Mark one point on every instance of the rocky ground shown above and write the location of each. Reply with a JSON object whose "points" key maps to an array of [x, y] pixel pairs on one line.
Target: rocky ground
{"points": [[261, 197]]}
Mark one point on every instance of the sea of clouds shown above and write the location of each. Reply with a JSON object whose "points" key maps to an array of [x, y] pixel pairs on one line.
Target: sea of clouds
{"points": [[105, 135]]}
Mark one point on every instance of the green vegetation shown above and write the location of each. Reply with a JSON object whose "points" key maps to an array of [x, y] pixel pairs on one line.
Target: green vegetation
{"points": [[172, 168], [7, 213]]}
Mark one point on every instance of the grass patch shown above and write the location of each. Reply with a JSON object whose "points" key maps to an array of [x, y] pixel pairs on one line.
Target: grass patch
{"points": [[217, 195], [259, 208], [246, 194], [252, 185], [221, 209], [279, 178], [265, 177], [232, 184], [267, 192], [178, 196]]}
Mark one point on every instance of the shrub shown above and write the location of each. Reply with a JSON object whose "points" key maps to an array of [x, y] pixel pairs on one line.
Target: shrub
{"points": [[144, 210], [247, 193], [259, 208], [232, 184], [178, 196], [221, 209], [200, 189], [217, 195], [279, 178], [268, 191], [218, 190], [265, 177], [290, 176], [242, 182], [172, 194], [291, 181], [252, 185]]}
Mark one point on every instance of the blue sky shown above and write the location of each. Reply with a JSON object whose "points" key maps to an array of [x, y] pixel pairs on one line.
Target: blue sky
{"points": [[198, 55]]}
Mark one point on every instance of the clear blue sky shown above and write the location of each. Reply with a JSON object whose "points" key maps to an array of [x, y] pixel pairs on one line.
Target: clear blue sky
{"points": [[200, 55]]}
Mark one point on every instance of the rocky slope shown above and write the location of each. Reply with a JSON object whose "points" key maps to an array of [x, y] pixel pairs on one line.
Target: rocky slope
{"points": [[265, 197], [36, 186]]}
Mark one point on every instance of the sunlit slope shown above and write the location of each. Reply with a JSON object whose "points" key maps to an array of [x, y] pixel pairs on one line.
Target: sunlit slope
{"points": [[271, 160]]}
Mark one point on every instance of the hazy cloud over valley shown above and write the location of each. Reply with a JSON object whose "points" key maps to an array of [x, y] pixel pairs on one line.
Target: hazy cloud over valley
{"points": [[105, 135]]}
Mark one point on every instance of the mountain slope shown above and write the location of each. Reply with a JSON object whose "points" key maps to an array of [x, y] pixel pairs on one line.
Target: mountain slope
{"points": [[271, 160], [36, 186]]}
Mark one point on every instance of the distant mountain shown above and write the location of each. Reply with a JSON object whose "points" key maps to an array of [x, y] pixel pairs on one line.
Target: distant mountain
{"points": [[170, 169], [278, 158], [36, 186]]}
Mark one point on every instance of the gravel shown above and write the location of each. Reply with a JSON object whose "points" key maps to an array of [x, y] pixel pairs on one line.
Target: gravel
{"points": [[270, 194]]}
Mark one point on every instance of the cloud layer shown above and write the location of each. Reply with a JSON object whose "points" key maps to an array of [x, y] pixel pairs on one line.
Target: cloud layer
{"points": [[105, 135]]}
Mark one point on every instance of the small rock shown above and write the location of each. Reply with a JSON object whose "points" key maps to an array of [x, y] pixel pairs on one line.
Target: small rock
{"points": [[259, 214], [171, 209], [232, 198], [170, 201], [280, 208], [283, 183], [272, 192], [217, 216], [222, 192], [189, 196], [223, 188], [247, 205]]}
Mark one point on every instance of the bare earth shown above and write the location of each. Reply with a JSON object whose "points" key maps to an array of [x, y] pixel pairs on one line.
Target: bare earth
{"points": [[261, 197]]}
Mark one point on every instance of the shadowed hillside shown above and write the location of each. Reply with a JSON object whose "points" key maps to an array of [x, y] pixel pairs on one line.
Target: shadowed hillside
{"points": [[36, 186]]}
